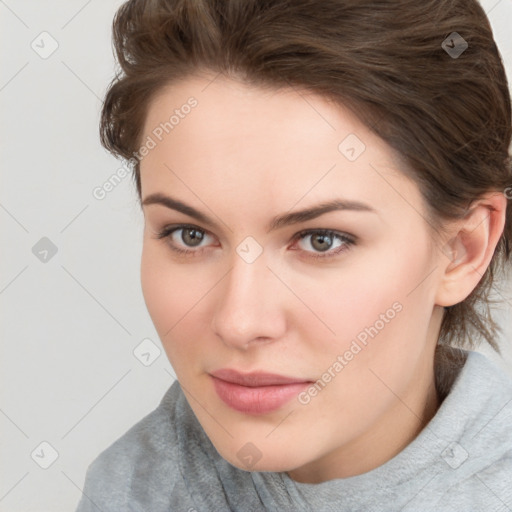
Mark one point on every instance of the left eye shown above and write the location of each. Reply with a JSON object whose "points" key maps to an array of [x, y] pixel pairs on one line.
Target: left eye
{"points": [[324, 243], [323, 240]]}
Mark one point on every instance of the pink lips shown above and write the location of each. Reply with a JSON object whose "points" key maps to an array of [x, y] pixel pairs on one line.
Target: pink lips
{"points": [[256, 392]]}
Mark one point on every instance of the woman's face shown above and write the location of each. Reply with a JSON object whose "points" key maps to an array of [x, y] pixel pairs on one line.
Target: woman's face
{"points": [[347, 311]]}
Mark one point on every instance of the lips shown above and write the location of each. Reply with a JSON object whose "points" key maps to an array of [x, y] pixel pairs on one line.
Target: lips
{"points": [[255, 379], [256, 392]]}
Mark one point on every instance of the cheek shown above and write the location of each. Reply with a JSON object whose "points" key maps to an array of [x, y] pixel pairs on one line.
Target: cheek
{"points": [[391, 314], [165, 290], [174, 295], [381, 301], [155, 287], [353, 298]]}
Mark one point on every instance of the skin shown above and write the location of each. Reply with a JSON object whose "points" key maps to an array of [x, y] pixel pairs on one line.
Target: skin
{"points": [[243, 156]]}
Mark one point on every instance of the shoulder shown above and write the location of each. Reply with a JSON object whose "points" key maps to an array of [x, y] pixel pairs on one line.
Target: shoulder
{"points": [[478, 456], [487, 488], [484, 409], [143, 458]]}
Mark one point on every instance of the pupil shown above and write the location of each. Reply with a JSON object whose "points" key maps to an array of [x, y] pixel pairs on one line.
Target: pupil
{"points": [[324, 239], [194, 236]]}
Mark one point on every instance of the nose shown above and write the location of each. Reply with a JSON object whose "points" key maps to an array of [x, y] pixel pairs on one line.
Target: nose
{"points": [[250, 305]]}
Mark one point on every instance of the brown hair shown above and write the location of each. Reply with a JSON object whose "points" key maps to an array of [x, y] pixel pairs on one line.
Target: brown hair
{"points": [[448, 116]]}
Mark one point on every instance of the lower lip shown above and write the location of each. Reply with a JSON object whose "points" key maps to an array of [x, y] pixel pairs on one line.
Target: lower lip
{"points": [[257, 400]]}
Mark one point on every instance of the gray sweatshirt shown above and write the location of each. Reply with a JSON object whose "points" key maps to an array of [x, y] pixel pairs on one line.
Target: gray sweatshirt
{"points": [[461, 461]]}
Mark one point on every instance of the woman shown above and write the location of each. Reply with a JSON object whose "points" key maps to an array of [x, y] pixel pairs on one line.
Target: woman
{"points": [[324, 187]]}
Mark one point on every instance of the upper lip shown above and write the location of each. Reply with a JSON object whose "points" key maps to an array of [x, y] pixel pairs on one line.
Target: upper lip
{"points": [[255, 379]]}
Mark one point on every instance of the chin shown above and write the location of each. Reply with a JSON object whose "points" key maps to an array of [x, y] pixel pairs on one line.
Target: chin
{"points": [[250, 458]]}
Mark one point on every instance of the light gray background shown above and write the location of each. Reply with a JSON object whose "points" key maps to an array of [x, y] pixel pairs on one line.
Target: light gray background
{"points": [[70, 325]]}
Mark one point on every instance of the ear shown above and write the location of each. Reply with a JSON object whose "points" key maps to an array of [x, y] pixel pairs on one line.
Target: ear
{"points": [[470, 249]]}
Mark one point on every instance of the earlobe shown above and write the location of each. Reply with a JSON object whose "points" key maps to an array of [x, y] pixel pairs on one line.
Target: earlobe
{"points": [[467, 255]]}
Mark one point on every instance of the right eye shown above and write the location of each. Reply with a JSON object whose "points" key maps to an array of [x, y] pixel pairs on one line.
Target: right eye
{"points": [[181, 238]]}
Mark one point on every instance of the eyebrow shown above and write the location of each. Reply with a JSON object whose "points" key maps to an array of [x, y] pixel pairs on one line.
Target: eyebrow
{"points": [[276, 223]]}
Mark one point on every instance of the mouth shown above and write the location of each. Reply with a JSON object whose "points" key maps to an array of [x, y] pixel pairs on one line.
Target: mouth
{"points": [[256, 393], [255, 379]]}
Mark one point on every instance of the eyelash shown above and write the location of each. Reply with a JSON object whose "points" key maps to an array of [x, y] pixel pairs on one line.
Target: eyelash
{"points": [[347, 240]]}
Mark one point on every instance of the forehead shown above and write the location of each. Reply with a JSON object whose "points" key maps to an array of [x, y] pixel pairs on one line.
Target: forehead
{"points": [[226, 110], [259, 144]]}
